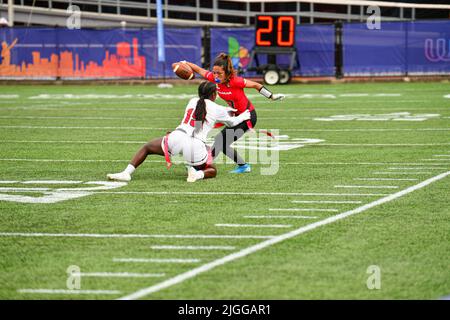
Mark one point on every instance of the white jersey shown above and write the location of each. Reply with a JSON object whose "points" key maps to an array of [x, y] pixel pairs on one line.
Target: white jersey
{"points": [[214, 113]]}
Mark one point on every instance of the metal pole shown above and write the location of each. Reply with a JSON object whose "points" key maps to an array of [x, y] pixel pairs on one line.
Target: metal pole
{"points": [[197, 10], [338, 56], [215, 18], [11, 13], [160, 34]]}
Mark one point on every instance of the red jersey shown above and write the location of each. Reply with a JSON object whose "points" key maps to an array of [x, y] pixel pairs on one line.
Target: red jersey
{"points": [[233, 93]]}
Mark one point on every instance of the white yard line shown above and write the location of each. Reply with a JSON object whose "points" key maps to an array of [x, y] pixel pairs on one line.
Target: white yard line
{"points": [[65, 160], [73, 117], [119, 275], [163, 236], [145, 260], [363, 130], [65, 291], [418, 168], [386, 179], [10, 189], [74, 141], [435, 160], [165, 129], [249, 250], [262, 163], [366, 187], [324, 201], [394, 172], [205, 193], [231, 225], [304, 209], [441, 155], [169, 247], [378, 144], [51, 182], [280, 217], [226, 193], [79, 127]]}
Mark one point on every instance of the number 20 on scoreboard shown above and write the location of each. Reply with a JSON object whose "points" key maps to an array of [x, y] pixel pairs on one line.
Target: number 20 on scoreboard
{"points": [[275, 31]]}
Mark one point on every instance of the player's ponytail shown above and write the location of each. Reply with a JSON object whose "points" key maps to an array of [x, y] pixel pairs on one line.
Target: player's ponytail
{"points": [[223, 60], [205, 91]]}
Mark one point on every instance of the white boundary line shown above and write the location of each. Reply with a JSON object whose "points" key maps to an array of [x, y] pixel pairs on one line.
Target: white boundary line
{"points": [[90, 235], [247, 251]]}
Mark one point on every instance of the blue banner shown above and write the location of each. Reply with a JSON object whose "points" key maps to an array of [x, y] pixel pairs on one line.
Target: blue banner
{"points": [[48, 53], [428, 47], [315, 47], [398, 48]]}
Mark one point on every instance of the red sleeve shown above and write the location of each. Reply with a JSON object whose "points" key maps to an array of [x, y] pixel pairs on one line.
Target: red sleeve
{"points": [[209, 76], [238, 82]]}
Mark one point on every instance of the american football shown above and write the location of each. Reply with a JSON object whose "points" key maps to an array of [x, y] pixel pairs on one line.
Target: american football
{"points": [[183, 70]]}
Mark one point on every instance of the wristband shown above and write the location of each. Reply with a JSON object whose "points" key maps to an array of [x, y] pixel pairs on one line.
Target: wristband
{"points": [[266, 93]]}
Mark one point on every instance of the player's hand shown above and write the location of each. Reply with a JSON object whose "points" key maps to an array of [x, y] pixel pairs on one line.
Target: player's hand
{"points": [[230, 109], [245, 115], [277, 96]]}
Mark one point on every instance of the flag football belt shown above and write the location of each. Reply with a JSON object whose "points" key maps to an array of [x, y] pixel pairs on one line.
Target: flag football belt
{"points": [[166, 148]]}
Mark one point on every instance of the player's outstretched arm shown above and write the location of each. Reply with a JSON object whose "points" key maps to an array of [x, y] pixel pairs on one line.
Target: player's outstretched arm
{"points": [[263, 90], [196, 68]]}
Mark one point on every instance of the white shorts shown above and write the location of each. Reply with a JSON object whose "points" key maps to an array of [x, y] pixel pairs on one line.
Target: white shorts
{"points": [[193, 150]]}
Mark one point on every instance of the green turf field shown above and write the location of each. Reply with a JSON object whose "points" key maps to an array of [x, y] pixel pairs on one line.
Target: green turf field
{"points": [[380, 172]]}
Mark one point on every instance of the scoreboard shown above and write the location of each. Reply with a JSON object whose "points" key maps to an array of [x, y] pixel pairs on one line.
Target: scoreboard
{"points": [[275, 31]]}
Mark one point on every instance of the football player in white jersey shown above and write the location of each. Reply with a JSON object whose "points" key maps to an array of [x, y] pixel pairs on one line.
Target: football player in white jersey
{"points": [[189, 138]]}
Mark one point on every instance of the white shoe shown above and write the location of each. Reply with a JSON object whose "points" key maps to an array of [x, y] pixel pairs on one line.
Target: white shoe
{"points": [[192, 177], [121, 176]]}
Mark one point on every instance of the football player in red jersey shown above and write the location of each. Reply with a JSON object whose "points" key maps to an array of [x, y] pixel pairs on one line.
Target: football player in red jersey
{"points": [[230, 88]]}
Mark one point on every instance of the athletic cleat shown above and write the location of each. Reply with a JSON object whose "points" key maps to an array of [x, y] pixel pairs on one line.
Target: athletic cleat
{"points": [[121, 176], [242, 169], [192, 177]]}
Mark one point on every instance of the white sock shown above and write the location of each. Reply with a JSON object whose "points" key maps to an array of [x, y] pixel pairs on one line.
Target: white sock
{"points": [[130, 169], [200, 174]]}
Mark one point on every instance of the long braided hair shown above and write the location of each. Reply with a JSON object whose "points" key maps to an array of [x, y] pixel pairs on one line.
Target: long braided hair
{"points": [[205, 91]]}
